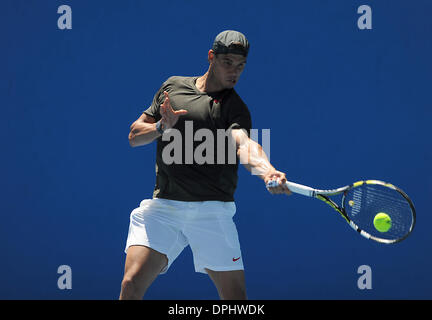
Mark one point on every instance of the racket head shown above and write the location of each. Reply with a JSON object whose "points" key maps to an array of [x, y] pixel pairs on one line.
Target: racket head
{"points": [[363, 200]]}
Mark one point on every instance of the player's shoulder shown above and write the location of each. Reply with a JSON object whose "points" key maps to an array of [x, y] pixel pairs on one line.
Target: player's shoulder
{"points": [[177, 80], [174, 83]]}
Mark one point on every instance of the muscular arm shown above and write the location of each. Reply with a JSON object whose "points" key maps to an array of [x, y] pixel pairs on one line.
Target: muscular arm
{"points": [[254, 159], [143, 131]]}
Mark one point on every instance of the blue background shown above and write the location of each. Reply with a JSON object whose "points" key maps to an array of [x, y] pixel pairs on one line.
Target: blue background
{"points": [[342, 104]]}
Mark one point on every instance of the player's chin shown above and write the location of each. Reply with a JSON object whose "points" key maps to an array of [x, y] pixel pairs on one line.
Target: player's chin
{"points": [[230, 83]]}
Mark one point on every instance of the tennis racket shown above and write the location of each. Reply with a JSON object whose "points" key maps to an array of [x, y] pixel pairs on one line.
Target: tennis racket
{"points": [[360, 204]]}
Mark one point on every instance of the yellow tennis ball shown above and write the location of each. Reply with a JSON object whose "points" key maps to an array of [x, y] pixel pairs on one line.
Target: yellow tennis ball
{"points": [[382, 222], [351, 203]]}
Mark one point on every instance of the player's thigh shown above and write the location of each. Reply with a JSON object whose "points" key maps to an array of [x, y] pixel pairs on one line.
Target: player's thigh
{"points": [[143, 264]]}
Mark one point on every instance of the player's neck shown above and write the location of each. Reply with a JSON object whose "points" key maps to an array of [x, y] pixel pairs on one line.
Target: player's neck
{"points": [[208, 83]]}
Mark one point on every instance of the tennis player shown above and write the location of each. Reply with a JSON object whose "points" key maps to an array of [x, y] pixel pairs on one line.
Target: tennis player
{"points": [[193, 203]]}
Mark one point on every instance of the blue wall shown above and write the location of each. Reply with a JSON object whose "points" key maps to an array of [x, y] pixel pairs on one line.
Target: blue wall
{"points": [[342, 104]]}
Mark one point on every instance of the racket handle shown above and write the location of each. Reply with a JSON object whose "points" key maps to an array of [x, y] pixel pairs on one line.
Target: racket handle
{"points": [[300, 189]]}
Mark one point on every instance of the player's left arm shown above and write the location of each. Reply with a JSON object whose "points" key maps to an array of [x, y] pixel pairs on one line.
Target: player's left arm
{"points": [[254, 159]]}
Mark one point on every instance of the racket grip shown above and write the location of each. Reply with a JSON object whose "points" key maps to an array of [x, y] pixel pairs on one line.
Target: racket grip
{"points": [[300, 189]]}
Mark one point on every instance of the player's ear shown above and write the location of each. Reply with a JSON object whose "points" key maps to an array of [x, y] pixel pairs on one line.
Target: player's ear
{"points": [[211, 56]]}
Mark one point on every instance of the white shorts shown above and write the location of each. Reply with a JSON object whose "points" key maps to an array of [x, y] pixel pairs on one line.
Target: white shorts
{"points": [[168, 226]]}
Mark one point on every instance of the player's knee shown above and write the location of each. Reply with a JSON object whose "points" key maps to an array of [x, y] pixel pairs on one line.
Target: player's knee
{"points": [[131, 289], [234, 292], [127, 283]]}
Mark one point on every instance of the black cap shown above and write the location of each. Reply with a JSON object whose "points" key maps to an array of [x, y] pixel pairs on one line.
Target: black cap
{"points": [[230, 41]]}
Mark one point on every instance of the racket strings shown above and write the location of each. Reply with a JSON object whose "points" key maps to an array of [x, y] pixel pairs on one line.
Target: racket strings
{"points": [[363, 203]]}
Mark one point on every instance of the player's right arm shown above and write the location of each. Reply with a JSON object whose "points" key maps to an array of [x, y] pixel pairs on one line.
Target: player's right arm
{"points": [[254, 159], [143, 130]]}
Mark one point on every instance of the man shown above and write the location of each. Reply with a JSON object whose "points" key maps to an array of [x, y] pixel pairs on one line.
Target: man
{"points": [[193, 202]]}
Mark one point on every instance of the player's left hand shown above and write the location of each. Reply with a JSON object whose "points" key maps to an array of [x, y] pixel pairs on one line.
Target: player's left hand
{"points": [[169, 116], [280, 179]]}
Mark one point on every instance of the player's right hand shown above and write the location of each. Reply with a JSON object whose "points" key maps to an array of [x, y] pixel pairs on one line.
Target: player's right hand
{"points": [[169, 115], [275, 182]]}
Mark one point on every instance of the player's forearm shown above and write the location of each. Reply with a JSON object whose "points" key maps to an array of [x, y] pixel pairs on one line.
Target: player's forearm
{"points": [[143, 134], [254, 159]]}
